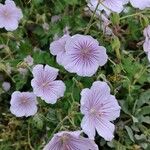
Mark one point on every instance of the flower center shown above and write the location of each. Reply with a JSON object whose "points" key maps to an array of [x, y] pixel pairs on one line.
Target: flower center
{"points": [[45, 84], [24, 101], [85, 50], [6, 14], [93, 111], [64, 139]]}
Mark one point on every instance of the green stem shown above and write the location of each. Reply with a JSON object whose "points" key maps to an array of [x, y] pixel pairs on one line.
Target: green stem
{"points": [[29, 141], [92, 18], [132, 15], [58, 126]]}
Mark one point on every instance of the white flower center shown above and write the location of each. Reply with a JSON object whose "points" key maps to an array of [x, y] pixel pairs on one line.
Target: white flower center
{"points": [[24, 101], [95, 112], [64, 139], [45, 84], [5, 13]]}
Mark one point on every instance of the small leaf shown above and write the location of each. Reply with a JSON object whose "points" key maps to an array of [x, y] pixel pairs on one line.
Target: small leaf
{"points": [[130, 133], [38, 121]]}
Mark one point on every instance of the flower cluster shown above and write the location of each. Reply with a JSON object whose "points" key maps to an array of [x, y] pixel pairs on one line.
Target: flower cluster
{"points": [[80, 54], [44, 86]]}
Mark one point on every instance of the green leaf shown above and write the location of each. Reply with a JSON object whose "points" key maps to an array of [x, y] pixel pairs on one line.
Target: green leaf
{"points": [[130, 133], [38, 121], [115, 18], [144, 99], [144, 110]]}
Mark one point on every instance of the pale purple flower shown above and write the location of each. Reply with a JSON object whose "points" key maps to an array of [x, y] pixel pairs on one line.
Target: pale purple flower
{"points": [[28, 60], [23, 71], [23, 104], [99, 108], [44, 83], [141, 4], [57, 48], [107, 5], [70, 141], [6, 86], [146, 45], [84, 55], [10, 15], [105, 25], [55, 18]]}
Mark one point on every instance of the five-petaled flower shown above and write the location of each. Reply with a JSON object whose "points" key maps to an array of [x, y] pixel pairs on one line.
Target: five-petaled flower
{"points": [[84, 55], [70, 141], [99, 108], [44, 83], [10, 15], [23, 104]]}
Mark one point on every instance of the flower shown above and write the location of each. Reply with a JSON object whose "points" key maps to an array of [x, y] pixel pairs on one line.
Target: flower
{"points": [[55, 18], [23, 71], [99, 108], [9, 15], [105, 22], [139, 4], [23, 104], [107, 5], [84, 55], [70, 141], [44, 83], [146, 45], [57, 48], [28, 60], [6, 86]]}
